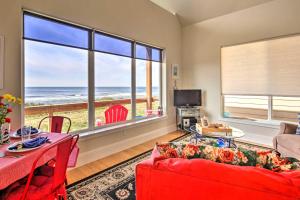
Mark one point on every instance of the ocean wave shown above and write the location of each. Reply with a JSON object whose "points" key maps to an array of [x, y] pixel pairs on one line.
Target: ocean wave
{"points": [[50, 96]]}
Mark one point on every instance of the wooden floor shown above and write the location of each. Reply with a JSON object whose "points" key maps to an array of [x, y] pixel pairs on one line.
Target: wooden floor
{"points": [[104, 163]]}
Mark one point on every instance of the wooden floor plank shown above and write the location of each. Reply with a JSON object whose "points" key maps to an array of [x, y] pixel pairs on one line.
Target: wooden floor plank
{"points": [[104, 163]]}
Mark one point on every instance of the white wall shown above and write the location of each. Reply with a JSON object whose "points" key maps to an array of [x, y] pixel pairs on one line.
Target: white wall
{"points": [[136, 19], [202, 41]]}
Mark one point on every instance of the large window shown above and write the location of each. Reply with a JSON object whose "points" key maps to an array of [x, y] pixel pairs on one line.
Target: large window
{"points": [[260, 79], [81, 73]]}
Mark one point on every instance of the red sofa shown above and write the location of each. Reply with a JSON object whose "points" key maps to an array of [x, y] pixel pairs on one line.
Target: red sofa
{"points": [[201, 179]]}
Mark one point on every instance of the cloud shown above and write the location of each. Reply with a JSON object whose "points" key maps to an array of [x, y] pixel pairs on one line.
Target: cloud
{"points": [[111, 70], [53, 65], [48, 65]]}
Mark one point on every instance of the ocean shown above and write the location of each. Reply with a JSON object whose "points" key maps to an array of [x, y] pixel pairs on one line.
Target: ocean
{"points": [[64, 95]]}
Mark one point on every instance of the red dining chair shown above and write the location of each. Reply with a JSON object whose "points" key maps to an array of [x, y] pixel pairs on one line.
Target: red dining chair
{"points": [[51, 183], [116, 113], [56, 123]]}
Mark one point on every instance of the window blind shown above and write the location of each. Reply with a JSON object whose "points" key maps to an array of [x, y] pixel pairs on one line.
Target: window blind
{"points": [[145, 52], [269, 67], [43, 29], [110, 44]]}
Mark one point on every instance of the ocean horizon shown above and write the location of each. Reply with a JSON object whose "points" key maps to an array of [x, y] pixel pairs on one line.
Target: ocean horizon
{"points": [[64, 95]]}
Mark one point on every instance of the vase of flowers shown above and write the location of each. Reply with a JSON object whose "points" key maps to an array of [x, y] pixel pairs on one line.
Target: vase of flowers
{"points": [[6, 103]]}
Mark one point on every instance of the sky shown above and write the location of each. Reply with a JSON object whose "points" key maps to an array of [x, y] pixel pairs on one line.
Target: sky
{"points": [[49, 65]]}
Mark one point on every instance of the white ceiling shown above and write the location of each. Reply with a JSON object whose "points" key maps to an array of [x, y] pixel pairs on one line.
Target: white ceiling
{"points": [[194, 11]]}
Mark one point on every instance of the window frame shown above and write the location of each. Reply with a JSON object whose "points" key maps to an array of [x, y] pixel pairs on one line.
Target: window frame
{"points": [[91, 72]]}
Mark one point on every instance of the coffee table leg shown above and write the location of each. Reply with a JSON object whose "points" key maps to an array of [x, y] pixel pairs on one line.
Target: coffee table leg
{"points": [[196, 137], [231, 143]]}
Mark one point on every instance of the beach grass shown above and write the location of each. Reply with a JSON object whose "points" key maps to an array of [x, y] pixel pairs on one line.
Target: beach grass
{"points": [[79, 118]]}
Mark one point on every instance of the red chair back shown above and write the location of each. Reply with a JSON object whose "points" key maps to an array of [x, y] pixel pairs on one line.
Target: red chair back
{"points": [[56, 123], [63, 151], [116, 113]]}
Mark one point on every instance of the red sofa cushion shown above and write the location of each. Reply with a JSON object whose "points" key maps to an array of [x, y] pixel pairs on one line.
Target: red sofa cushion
{"points": [[178, 178]]}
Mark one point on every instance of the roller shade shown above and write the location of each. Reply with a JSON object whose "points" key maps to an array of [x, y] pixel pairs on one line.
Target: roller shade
{"points": [[47, 30], [269, 67], [113, 45], [145, 52]]}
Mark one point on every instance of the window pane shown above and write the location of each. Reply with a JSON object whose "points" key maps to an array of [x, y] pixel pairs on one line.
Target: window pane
{"points": [[56, 83], [42, 29], [286, 108], [147, 53], [148, 95], [156, 85], [143, 52], [112, 85], [141, 104], [249, 107], [156, 55], [113, 45]]}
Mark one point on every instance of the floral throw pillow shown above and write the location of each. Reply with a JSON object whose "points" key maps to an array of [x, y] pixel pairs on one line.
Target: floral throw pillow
{"points": [[243, 157]]}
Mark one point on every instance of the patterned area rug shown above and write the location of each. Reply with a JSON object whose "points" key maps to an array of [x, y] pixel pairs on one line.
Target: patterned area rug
{"points": [[118, 182]]}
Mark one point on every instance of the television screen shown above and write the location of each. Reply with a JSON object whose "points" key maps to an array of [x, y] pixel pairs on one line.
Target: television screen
{"points": [[187, 97]]}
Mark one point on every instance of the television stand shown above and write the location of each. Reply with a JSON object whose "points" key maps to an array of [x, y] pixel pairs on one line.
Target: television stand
{"points": [[187, 116]]}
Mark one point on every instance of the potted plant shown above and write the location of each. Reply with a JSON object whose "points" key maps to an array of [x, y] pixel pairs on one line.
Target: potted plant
{"points": [[6, 103]]}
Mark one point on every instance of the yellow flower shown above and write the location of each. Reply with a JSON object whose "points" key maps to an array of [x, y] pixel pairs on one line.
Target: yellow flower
{"points": [[19, 101], [7, 97], [13, 99]]}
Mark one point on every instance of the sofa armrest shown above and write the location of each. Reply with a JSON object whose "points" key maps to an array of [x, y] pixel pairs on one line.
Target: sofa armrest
{"points": [[286, 128]]}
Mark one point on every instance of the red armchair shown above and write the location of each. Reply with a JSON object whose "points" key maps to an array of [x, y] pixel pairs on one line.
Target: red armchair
{"points": [[182, 179]]}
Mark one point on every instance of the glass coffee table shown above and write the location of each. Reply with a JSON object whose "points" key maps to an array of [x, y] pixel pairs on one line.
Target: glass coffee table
{"points": [[227, 140]]}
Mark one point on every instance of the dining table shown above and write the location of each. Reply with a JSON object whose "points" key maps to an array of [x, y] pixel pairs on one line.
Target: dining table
{"points": [[17, 165]]}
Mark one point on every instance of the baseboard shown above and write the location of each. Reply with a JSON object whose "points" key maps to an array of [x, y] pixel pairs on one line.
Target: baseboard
{"points": [[110, 149]]}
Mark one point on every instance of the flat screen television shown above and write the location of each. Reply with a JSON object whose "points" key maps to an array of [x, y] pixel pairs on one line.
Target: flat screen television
{"points": [[187, 98]]}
